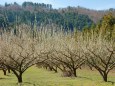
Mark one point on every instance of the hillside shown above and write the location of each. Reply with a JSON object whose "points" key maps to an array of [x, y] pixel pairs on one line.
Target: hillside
{"points": [[94, 15], [42, 14]]}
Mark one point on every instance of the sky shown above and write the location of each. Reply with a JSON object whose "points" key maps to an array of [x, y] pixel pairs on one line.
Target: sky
{"points": [[91, 4]]}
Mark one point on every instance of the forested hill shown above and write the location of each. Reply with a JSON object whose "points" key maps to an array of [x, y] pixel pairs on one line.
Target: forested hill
{"points": [[94, 15], [67, 18]]}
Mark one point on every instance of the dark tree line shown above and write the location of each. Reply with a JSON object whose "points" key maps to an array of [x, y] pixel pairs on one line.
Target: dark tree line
{"points": [[14, 14]]}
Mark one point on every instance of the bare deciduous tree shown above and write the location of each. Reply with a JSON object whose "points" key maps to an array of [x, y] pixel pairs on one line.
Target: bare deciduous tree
{"points": [[68, 55], [19, 54], [71, 60], [101, 56]]}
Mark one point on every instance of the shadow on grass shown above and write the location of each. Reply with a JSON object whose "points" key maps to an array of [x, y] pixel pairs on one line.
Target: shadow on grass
{"points": [[27, 83], [8, 75], [84, 78], [2, 78], [112, 82]]}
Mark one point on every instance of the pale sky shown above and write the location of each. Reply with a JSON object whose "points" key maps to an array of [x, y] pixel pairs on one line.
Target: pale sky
{"points": [[92, 4]]}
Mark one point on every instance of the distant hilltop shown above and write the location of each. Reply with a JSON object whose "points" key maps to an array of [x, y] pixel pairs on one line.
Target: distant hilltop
{"points": [[69, 17]]}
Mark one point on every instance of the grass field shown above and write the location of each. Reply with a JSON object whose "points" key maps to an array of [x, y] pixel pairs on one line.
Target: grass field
{"points": [[41, 77]]}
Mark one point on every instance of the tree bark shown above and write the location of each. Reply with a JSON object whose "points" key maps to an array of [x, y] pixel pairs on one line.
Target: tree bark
{"points": [[50, 68], [18, 75], [8, 69], [74, 72], [4, 72], [20, 78], [105, 77], [55, 69]]}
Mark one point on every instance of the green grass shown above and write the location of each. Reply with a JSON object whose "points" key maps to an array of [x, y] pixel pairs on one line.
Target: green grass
{"points": [[42, 77]]}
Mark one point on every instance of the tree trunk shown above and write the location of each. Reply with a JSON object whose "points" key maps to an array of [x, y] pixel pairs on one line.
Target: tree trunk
{"points": [[55, 69], [8, 70], [20, 78], [46, 67], [50, 68], [4, 72], [105, 77], [74, 72], [18, 75]]}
